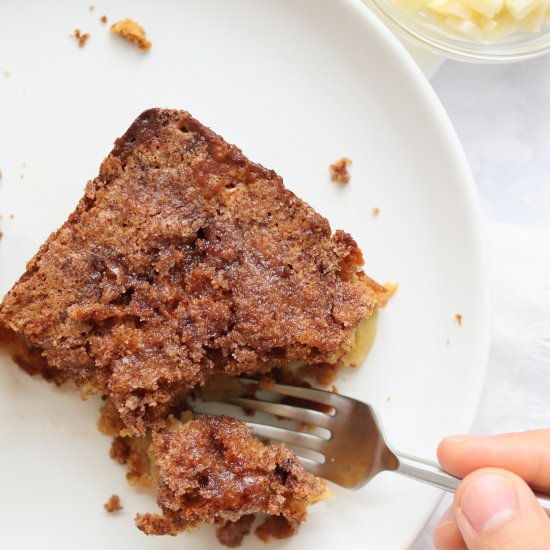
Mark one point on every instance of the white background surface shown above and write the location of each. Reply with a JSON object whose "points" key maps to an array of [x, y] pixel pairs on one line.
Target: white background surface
{"points": [[502, 116]]}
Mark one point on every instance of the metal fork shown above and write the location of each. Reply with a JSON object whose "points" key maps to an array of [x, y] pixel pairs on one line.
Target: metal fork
{"points": [[352, 448]]}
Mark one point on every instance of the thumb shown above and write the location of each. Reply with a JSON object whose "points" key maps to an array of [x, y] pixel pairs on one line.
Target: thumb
{"points": [[496, 510]]}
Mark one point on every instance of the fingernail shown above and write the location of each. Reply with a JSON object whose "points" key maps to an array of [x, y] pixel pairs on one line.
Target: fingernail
{"points": [[447, 518], [488, 501]]}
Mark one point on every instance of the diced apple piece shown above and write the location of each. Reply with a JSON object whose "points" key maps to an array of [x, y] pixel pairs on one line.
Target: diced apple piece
{"points": [[457, 9], [522, 8], [506, 27], [489, 8], [534, 21], [464, 26], [488, 25], [410, 5]]}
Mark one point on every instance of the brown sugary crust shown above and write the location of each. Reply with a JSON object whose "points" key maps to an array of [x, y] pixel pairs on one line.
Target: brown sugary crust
{"points": [[183, 261], [213, 470], [232, 533]]}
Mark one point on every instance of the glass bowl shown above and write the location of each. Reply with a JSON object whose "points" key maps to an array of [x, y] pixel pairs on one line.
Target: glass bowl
{"points": [[424, 31]]}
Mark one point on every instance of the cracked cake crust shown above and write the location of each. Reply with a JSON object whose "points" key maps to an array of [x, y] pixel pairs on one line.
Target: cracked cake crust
{"points": [[183, 261]]}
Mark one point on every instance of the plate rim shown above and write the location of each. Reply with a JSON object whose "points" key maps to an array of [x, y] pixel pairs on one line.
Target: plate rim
{"points": [[472, 202]]}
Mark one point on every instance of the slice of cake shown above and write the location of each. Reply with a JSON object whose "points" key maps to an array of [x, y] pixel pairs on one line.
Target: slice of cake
{"points": [[184, 261], [186, 264], [213, 470]]}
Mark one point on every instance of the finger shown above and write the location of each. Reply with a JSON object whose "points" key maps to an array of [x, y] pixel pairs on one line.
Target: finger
{"points": [[447, 535], [527, 454], [496, 510]]}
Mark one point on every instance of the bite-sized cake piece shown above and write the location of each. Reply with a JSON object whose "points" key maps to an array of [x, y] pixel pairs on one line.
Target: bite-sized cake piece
{"points": [[184, 261], [213, 470]]}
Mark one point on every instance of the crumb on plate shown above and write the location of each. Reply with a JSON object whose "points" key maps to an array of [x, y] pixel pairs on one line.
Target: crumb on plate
{"points": [[132, 32], [91, 8], [339, 170], [6, 73], [11, 216], [103, 19], [375, 211], [81, 37], [113, 504], [334, 389], [458, 318], [388, 398]]}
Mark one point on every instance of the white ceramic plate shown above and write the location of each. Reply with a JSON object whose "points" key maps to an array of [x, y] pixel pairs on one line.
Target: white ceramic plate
{"points": [[296, 84]]}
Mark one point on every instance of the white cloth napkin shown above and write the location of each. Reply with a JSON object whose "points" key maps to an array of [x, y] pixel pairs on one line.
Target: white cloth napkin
{"points": [[516, 394]]}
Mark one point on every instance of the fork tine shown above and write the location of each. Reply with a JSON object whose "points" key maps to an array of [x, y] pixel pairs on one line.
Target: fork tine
{"points": [[317, 396], [292, 437], [306, 416]]}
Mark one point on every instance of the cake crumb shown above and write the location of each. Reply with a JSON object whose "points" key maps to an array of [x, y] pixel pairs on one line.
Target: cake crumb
{"points": [[11, 216], [1, 234], [232, 533], [388, 398], [91, 8], [6, 73], [375, 211], [339, 170], [113, 504], [132, 32], [103, 19], [81, 37], [0, 174], [277, 527], [21, 176], [447, 343], [458, 318], [334, 389]]}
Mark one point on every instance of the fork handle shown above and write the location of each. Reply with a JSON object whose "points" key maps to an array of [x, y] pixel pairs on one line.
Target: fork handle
{"points": [[432, 474]]}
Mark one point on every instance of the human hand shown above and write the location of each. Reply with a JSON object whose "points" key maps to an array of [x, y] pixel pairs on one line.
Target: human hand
{"points": [[494, 508]]}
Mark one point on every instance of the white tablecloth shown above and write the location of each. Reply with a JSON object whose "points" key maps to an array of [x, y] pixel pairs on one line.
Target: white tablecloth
{"points": [[502, 116], [517, 388]]}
